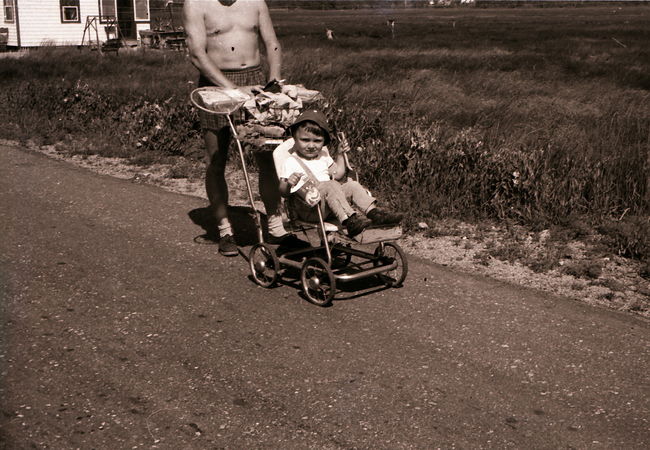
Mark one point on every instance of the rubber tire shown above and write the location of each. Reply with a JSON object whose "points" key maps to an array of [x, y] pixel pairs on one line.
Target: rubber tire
{"points": [[397, 254], [324, 278], [259, 266]]}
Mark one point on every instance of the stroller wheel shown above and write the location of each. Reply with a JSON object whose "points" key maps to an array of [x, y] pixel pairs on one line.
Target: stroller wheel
{"points": [[388, 253], [264, 265], [318, 282]]}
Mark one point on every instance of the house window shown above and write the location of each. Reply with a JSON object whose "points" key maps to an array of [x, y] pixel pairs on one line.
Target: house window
{"points": [[70, 11], [107, 9], [141, 8], [9, 10]]}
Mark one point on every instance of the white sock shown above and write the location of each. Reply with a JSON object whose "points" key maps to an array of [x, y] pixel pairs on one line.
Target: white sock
{"points": [[276, 227], [224, 228]]}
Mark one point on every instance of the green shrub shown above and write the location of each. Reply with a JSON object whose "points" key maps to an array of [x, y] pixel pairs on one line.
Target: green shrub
{"points": [[584, 269], [628, 237]]}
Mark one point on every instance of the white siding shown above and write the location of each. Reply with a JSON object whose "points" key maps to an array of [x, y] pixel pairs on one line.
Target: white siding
{"points": [[40, 23]]}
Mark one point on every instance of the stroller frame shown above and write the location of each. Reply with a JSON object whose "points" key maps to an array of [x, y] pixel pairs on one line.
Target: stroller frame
{"points": [[324, 266]]}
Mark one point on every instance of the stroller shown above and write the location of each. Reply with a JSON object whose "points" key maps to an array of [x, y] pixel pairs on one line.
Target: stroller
{"points": [[336, 258]]}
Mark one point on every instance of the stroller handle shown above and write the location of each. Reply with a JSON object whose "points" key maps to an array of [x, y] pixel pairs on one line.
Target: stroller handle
{"points": [[229, 106]]}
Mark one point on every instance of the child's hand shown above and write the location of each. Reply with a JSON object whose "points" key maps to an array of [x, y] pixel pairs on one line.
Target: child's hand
{"points": [[294, 178], [344, 145]]}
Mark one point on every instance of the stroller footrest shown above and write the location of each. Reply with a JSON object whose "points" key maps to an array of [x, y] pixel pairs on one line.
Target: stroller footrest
{"points": [[379, 233], [329, 226]]}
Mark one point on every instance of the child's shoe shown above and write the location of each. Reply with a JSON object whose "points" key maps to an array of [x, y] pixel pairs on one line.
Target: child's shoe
{"points": [[355, 224], [383, 217]]}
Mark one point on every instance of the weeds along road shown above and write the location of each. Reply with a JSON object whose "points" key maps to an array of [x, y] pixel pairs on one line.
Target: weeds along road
{"points": [[120, 332]]}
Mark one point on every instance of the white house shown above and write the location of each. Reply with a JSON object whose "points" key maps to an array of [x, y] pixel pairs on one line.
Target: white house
{"points": [[32, 23]]}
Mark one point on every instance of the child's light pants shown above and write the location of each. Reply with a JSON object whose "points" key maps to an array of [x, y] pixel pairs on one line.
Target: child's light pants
{"points": [[338, 198]]}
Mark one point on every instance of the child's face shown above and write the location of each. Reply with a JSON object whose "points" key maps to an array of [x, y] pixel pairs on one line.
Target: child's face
{"points": [[307, 144]]}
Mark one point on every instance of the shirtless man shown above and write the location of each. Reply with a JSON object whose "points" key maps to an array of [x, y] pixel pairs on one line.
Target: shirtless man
{"points": [[223, 41]]}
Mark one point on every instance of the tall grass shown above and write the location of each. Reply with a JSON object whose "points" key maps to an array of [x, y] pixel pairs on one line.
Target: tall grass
{"points": [[115, 106], [531, 115]]}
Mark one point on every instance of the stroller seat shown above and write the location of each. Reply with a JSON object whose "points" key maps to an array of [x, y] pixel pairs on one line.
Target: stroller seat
{"points": [[374, 233], [280, 155]]}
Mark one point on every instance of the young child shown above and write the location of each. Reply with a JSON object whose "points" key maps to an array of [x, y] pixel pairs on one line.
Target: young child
{"points": [[309, 158]]}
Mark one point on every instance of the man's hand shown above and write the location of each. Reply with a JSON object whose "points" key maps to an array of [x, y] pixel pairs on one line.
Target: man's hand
{"points": [[229, 86]]}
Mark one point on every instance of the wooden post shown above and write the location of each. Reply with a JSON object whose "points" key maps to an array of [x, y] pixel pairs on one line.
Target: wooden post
{"points": [[91, 22], [99, 47]]}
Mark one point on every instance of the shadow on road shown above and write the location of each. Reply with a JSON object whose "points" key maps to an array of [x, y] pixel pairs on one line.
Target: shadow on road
{"points": [[241, 218]]}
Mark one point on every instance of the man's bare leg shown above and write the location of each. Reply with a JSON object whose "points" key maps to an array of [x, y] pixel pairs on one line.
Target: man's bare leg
{"points": [[270, 194], [216, 144], [217, 189]]}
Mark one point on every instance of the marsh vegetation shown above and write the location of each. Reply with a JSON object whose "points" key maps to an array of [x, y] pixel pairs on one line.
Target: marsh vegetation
{"points": [[540, 117]]}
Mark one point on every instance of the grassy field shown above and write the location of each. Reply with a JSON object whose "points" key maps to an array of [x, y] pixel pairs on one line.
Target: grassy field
{"points": [[539, 116]]}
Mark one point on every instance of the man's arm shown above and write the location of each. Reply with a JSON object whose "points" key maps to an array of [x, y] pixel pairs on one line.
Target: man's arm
{"points": [[196, 39], [271, 43]]}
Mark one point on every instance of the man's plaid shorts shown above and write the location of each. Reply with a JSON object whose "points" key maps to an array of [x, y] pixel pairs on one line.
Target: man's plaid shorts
{"points": [[250, 76]]}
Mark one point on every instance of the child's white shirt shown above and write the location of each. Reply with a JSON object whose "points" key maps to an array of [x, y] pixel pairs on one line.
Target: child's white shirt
{"points": [[319, 166]]}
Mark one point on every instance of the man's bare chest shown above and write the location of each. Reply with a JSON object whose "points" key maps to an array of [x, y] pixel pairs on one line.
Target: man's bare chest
{"points": [[239, 18]]}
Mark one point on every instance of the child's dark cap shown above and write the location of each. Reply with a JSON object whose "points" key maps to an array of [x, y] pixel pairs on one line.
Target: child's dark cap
{"points": [[313, 115]]}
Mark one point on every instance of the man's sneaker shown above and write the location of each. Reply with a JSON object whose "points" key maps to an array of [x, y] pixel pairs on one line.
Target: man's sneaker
{"points": [[383, 217], [227, 246], [356, 224]]}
